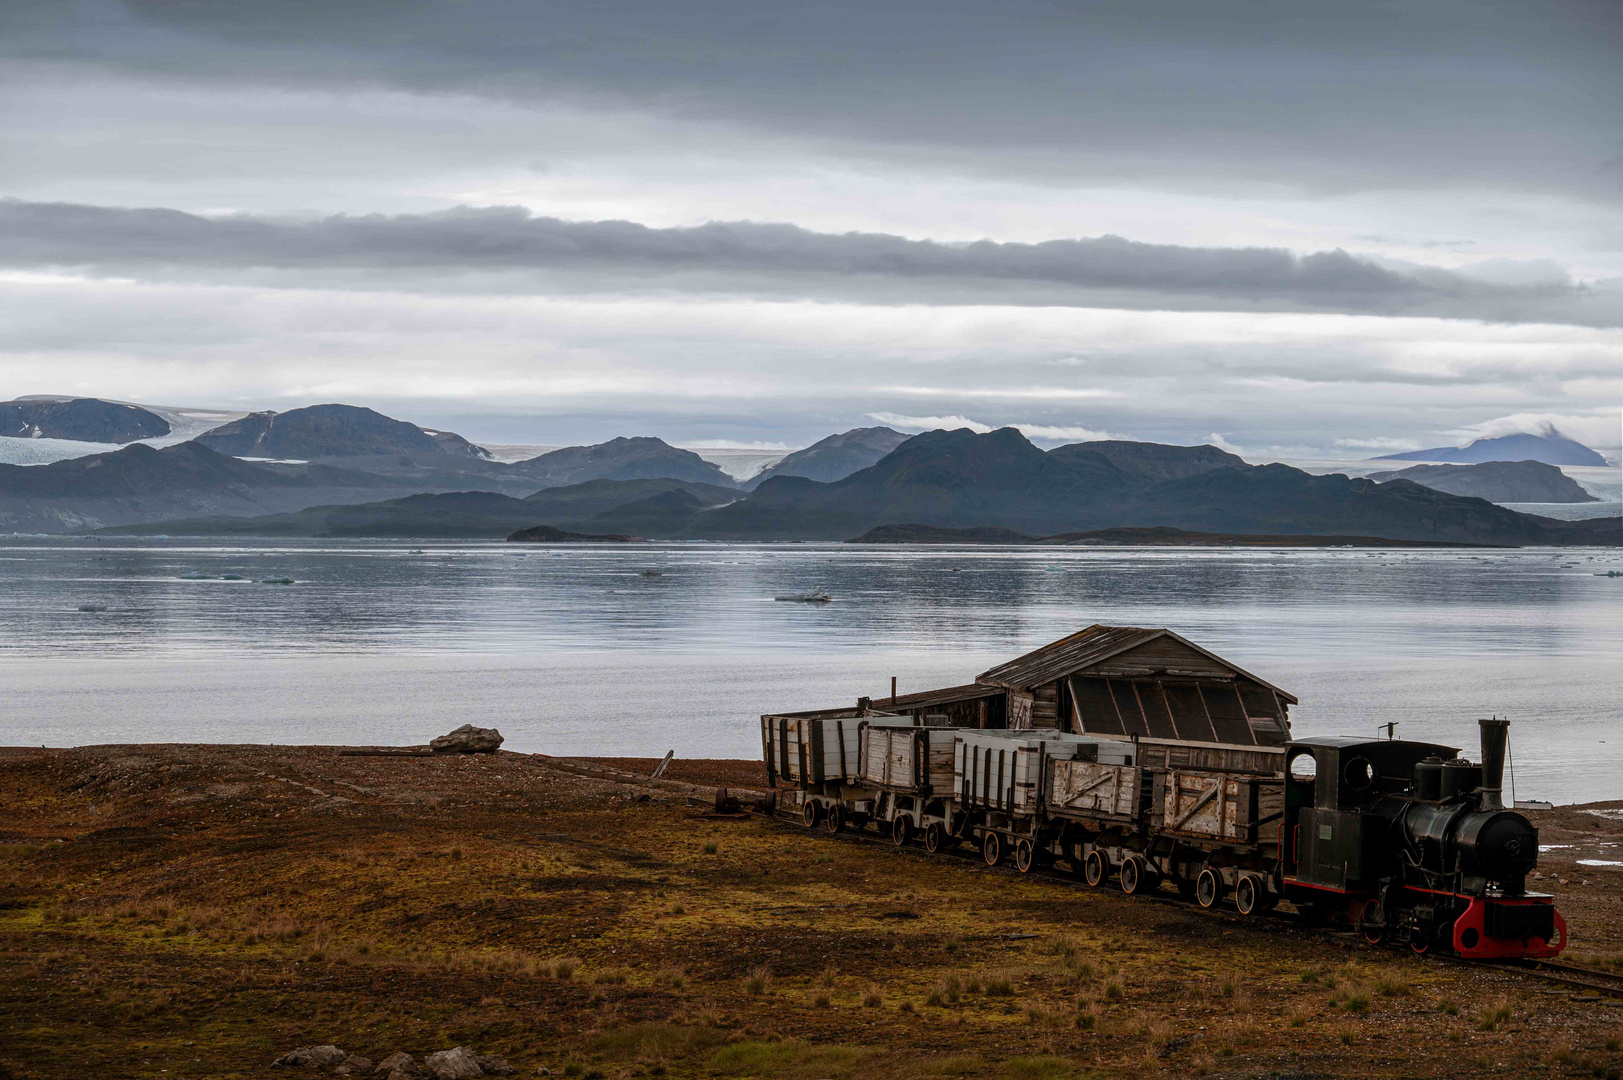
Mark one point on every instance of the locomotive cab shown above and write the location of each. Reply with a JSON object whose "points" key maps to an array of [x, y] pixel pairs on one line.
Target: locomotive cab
{"points": [[1329, 784]]}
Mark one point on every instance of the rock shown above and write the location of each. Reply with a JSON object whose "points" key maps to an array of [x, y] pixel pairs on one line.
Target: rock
{"points": [[468, 739], [542, 1070], [399, 1063], [311, 1057], [398, 1075], [353, 1065], [457, 1064], [491, 1065]]}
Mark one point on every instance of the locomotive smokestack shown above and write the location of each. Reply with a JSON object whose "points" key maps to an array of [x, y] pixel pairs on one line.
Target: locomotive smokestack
{"points": [[1495, 734]]}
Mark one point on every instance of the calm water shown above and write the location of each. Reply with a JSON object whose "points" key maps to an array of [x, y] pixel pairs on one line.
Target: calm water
{"points": [[577, 650]]}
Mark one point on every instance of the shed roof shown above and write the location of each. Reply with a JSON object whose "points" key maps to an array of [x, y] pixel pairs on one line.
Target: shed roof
{"points": [[945, 696], [1091, 646]]}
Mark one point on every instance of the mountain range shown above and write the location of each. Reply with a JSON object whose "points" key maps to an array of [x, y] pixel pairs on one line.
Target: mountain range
{"points": [[79, 419], [950, 480], [321, 431], [835, 457]]}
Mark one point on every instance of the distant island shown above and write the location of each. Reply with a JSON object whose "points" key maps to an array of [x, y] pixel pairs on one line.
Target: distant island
{"points": [[1126, 537], [1496, 481], [1551, 448], [546, 534]]}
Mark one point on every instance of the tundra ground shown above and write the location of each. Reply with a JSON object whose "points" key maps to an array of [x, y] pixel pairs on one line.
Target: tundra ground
{"points": [[193, 911]]}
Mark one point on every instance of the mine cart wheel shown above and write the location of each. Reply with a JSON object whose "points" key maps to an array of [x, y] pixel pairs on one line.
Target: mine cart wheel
{"points": [[810, 813], [1374, 932], [1094, 870], [1132, 875], [1249, 895], [992, 848], [935, 837], [1025, 856], [834, 820], [1208, 888], [901, 831]]}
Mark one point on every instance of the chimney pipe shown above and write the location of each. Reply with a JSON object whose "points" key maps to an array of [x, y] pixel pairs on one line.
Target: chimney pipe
{"points": [[1495, 734]]}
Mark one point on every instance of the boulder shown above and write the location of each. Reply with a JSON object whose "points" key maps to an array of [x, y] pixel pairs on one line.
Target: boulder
{"points": [[457, 1064], [311, 1057], [401, 1063], [357, 1063], [468, 739], [491, 1065]]}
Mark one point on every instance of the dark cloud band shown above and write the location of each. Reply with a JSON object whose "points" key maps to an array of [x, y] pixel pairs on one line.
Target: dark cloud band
{"points": [[507, 249]]}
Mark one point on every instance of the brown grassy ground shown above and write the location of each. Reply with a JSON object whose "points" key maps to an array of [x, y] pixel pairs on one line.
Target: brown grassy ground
{"points": [[190, 911]]}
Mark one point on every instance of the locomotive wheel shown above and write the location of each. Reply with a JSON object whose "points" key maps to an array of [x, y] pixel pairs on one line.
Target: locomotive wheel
{"points": [[901, 830], [1131, 875], [992, 848], [1208, 888], [1025, 857], [1419, 940], [1094, 870], [834, 820], [1248, 894], [809, 814], [1374, 932], [935, 837]]}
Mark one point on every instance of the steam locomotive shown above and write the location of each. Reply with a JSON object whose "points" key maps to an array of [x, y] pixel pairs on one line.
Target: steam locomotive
{"points": [[1403, 841]]}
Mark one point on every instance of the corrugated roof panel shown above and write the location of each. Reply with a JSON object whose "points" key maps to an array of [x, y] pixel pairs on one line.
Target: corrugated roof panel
{"points": [[1082, 649], [1091, 646]]}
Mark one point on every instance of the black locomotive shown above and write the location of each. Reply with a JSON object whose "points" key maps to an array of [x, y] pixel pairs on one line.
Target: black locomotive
{"points": [[1406, 839]]}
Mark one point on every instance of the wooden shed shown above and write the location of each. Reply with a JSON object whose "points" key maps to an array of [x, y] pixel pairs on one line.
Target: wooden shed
{"points": [[1127, 680]]}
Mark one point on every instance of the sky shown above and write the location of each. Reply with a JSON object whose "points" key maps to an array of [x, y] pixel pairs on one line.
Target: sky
{"points": [[1293, 229]]}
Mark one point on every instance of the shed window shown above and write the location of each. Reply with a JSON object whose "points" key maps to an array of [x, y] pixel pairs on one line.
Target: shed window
{"points": [[1132, 717], [1188, 712], [1156, 713], [1095, 707], [1228, 715]]}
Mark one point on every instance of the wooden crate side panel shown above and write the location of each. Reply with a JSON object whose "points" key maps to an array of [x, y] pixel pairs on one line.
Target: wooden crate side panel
{"points": [[1093, 788], [1196, 803], [940, 762]]}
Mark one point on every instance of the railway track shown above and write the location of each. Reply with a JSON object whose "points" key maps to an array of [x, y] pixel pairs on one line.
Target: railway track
{"points": [[1577, 977], [1573, 976]]}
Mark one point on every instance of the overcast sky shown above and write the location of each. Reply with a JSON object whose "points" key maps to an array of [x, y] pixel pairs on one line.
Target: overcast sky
{"points": [[1294, 228]]}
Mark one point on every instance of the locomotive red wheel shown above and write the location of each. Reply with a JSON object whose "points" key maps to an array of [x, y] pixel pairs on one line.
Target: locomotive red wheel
{"points": [[1025, 857], [935, 837], [1374, 932], [901, 830], [992, 848], [1094, 870], [1249, 894], [809, 814], [1209, 888], [834, 820], [1419, 940]]}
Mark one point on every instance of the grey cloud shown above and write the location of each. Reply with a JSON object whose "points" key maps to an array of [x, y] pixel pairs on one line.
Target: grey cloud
{"points": [[508, 249], [1323, 95]]}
